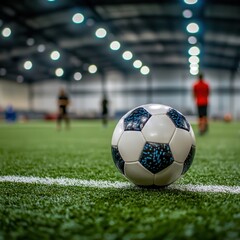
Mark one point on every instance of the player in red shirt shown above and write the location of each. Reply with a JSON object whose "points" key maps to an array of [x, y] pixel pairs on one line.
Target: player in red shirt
{"points": [[201, 92]]}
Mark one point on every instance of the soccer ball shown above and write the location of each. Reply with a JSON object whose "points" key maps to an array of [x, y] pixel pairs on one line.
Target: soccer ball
{"points": [[227, 117], [153, 145]]}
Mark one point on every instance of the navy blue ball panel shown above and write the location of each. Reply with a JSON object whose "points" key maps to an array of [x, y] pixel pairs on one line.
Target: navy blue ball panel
{"points": [[178, 119], [155, 157], [119, 162], [189, 160], [136, 120]]}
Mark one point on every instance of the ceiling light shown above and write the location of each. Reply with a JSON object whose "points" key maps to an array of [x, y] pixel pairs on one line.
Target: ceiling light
{"points": [[137, 63], [144, 70], [194, 65], [101, 33], [90, 22], [78, 18], [6, 32], [192, 28], [77, 76], [127, 55], [92, 68], [41, 48], [190, 1], [194, 68], [187, 13], [115, 45], [3, 71], [59, 72], [194, 51], [27, 65], [194, 71], [20, 79], [194, 59], [192, 40], [55, 55], [30, 41]]}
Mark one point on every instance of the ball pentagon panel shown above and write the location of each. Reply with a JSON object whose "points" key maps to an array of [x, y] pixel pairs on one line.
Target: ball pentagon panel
{"points": [[188, 162], [178, 119], [156, 156], [117, 158], [136, 120]]}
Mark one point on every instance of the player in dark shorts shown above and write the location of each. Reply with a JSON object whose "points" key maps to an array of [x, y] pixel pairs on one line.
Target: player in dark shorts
{"points": [[104, 111], [63, 102], [201, 92]]}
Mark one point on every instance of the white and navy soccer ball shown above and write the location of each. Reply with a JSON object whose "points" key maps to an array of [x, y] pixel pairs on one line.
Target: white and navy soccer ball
{"points": [[153, 145]]}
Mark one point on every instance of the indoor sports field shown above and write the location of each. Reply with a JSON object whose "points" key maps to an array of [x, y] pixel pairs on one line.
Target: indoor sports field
{"points": [[48, 209], [120, 120]]}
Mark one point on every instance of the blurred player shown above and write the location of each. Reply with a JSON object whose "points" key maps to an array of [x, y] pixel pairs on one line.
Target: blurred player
{"points": [[201, 90], [104, 104], [63, 102], [10, 114]]}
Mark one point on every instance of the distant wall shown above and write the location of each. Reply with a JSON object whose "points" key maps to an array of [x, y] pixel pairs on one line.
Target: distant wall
{"points": [[14, 94], [45, 95], [127, 91]]}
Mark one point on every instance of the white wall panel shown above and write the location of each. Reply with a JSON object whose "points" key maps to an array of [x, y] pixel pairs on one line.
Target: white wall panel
{"points": [[125, 91], [14, 94]]}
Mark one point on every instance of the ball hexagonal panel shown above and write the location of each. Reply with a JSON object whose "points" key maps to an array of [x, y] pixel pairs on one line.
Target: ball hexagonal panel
{"points": [[181, 144], [155, 157], [136, 120], [137, 174], [155, 109], [189, 160], [119, 162], [130, 145], [168, 175], [118, 131], [158, 129], [178, 119]]}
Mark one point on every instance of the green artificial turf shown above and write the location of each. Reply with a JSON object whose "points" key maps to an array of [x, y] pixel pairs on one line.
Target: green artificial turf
{"points": [[34, 211]]}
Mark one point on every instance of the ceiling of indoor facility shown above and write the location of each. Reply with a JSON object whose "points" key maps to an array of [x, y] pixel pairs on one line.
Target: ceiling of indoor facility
{"points": [[155, 32]]}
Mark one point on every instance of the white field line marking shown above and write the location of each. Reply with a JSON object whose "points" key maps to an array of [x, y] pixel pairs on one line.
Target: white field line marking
{"points": [[108, 184]]}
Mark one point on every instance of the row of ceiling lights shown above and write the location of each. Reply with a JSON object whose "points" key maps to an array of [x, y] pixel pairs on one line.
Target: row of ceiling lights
{"points": [[54, 55], [193, 51], [114, 45], [77, 18]]}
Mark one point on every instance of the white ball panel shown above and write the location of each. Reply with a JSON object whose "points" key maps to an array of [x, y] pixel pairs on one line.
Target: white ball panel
{"points": [[137, 174], [118, 131], [130, 145], [156, 108], [192, 135], [158, 129], [180, 144], [168, 175]]}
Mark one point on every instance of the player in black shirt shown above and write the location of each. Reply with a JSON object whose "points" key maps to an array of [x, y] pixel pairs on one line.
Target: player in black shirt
{"points": [[63, 102], [104, 111]]}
